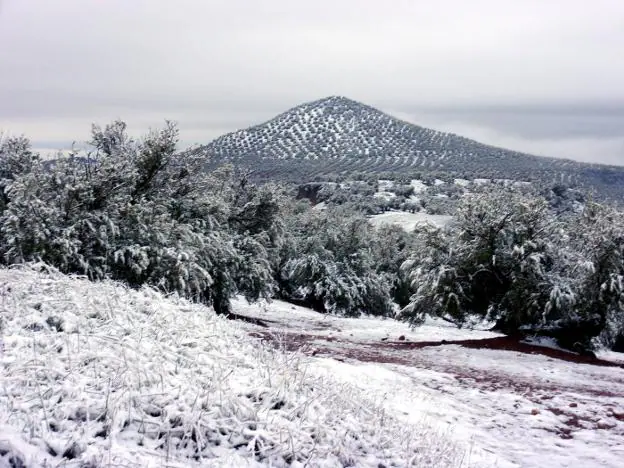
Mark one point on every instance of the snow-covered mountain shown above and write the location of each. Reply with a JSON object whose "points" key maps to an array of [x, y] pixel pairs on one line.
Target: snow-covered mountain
{"points": [[337, 135]]}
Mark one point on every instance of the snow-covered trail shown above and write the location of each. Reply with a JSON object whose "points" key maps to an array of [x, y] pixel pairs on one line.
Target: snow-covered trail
{"points": [[513, 409]]}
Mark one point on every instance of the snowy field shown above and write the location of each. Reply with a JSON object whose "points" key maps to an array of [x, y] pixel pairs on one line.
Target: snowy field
{"points": [[98, 375], [284, 316], [419, 186], [509, 409], [409, 221]]}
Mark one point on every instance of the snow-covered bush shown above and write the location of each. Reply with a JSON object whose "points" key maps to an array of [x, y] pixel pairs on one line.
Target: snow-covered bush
{"points": [[509, 258], [330, 264], [16, 158], [599, 234], [393, 246], [138, 212]]}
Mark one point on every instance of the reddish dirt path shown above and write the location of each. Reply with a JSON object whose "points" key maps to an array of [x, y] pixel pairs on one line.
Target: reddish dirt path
{"points": [[541, 393], [537, 391], [296, 341]]}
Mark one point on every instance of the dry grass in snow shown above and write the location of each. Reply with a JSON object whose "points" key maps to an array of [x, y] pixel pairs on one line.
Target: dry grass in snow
{"points": [[95, 374]]}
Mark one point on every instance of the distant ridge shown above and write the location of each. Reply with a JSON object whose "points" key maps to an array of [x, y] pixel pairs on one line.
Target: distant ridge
{"points": [[340, 136]]}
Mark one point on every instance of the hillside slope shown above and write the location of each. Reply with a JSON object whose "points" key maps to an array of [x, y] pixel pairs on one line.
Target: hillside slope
{"points": [[94, 374], [339, 136]]}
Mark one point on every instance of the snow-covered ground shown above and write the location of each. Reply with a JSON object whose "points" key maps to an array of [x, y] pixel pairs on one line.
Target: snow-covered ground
{"points": [[419, 186], [512, 409], [482, 181], [385, 185], [282, 315], [409, 221], [94, 374], [385, 195], [611, 356]]}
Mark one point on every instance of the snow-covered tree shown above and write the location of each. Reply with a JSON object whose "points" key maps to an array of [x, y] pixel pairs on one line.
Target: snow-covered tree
{"points": [[393, 246], [493, 263], [16, 159], [139, 212], [509, 258], [329, 264], [599, 235]]}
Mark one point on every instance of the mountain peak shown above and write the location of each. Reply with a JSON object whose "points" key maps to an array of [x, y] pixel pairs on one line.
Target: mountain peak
{"points": [[337, 100], [338, 103], [337, 135]]}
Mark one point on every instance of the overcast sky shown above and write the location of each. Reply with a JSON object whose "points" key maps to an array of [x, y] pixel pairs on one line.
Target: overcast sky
{"points": [[542, 76]]}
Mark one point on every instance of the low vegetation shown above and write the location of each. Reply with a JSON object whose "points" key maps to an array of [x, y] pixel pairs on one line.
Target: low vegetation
{"points": [[101, 375]]}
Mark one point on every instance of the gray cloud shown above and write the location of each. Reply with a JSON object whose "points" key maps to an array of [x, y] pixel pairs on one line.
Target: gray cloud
{"points": [[532, 75]]}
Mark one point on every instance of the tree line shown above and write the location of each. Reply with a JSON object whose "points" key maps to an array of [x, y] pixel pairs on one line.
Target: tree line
{"points": [[141, 212]]}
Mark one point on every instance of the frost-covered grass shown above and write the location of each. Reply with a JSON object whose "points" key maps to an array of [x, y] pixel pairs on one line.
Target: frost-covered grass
{"points": [[95, 374]]}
